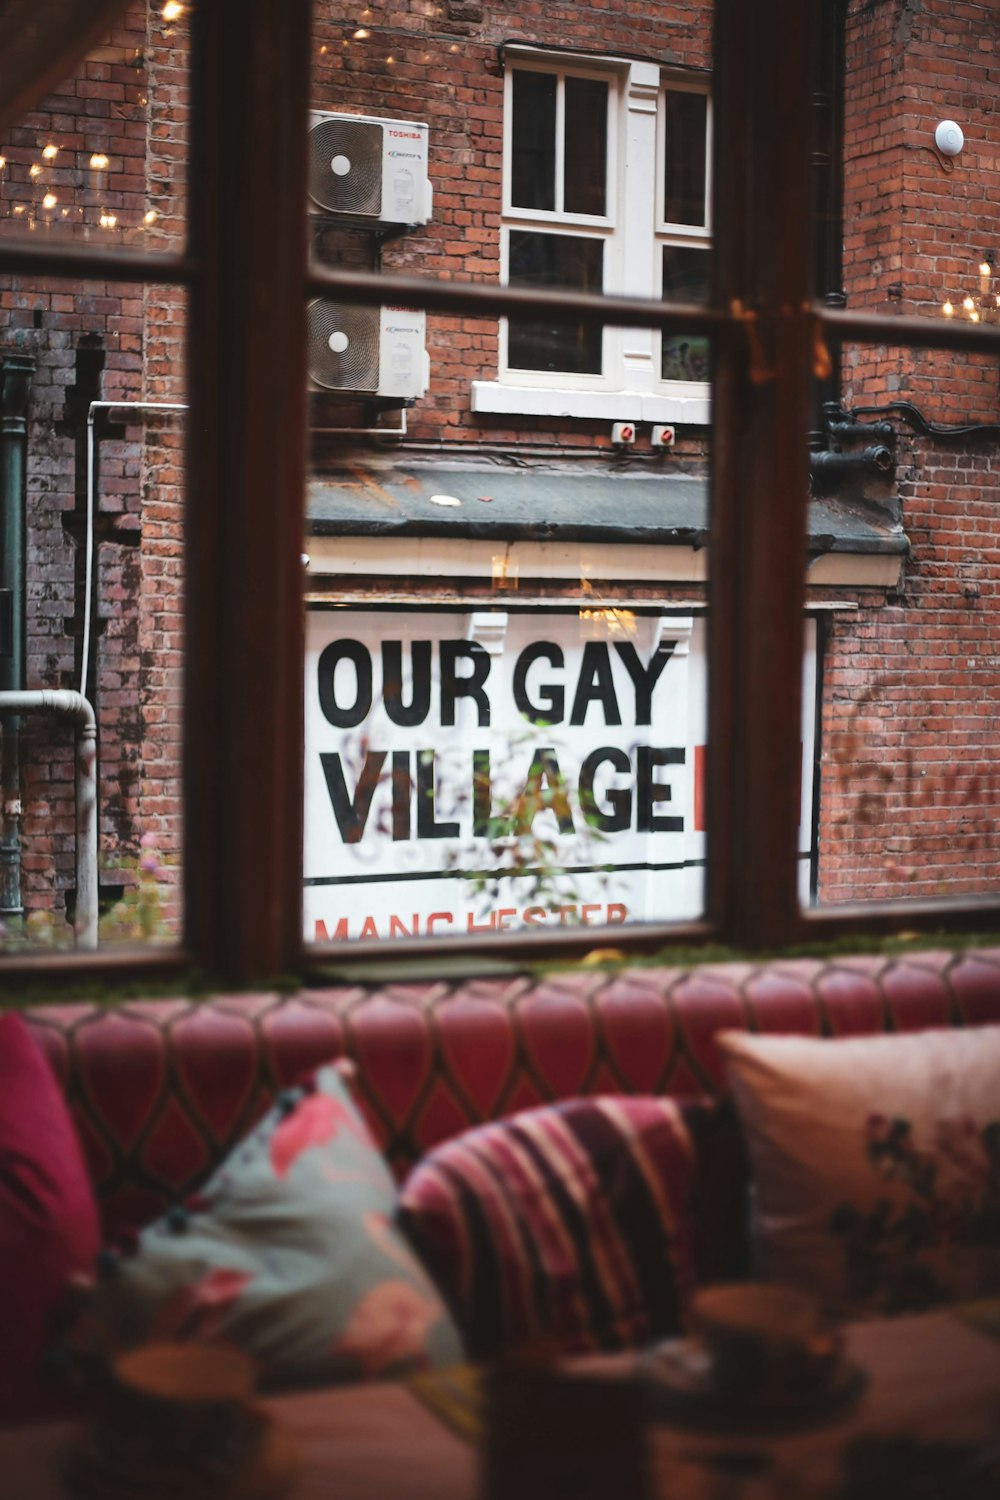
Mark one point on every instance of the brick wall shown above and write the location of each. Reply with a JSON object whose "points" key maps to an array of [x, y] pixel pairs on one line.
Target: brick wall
{"points": [[911, 708]]}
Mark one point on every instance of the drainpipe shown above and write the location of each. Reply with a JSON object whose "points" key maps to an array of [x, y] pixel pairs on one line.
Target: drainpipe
{"points": [[76, 707], [16, 385]]}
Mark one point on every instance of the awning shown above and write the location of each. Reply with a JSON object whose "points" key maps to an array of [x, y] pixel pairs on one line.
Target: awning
{"points": [[544, 504]]}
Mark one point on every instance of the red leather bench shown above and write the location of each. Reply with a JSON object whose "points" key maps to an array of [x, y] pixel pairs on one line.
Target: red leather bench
{"points": [[162, 1089]]}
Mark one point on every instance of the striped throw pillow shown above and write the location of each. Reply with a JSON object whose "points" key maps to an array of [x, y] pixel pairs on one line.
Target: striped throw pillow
{"points": [[566, 1224]]}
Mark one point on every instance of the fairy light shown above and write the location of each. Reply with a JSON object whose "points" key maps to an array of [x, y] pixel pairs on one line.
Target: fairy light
{"points": [[49, 201], [948, 309], [49, 151], [172, 11], [34, 170], [108, 221], [150, 216], [361, 35], [99, 162], [968, 304]]}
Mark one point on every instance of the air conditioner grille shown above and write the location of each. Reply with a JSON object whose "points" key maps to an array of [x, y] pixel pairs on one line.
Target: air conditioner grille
{"points": [[342, 348], [345, 166]]}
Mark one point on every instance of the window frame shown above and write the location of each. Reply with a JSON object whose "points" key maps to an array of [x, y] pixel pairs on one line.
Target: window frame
{"points": [[683, 236], [606, 228], [244, 607]]}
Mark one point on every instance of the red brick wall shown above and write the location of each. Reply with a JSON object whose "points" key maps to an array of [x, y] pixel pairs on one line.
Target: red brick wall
{"points": [[911, 712], [445, 71]]}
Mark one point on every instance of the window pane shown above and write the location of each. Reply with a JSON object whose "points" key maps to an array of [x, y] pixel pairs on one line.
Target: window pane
{"points": [[102, 158], [91, 586], [504, 679], [91, 507], [586, 169], [555, 260], [684, 161], [909, 790], [533, 141], [685, 279]]}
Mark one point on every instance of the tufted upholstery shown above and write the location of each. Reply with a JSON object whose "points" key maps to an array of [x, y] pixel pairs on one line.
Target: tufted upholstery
{"points": [[161, 1089]]}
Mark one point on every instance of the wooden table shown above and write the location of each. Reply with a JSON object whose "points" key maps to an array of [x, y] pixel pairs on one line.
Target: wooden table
{"points": [[931, 1375]]}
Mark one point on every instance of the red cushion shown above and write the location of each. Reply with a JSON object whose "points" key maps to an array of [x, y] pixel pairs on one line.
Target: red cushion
{"points": [[48, 1219]]}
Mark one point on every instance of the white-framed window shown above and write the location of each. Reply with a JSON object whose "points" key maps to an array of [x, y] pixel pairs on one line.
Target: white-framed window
{"points": [[605, 188], [683, 218], [560, 215]]}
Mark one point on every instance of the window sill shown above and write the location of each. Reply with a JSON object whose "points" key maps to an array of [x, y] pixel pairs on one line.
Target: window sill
{"points": [[691, 406]]}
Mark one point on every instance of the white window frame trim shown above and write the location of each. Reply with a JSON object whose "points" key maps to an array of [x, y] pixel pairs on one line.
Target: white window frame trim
{"points": [[630, 387]]}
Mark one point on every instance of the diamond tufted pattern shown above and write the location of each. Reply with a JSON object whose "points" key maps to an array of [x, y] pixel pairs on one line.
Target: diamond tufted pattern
{"points": [[162, 1089]]}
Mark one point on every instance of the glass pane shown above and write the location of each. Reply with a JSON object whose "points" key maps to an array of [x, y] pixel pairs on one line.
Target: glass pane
{"points": [[533, 141], [103, 157], [586, 170], [504, 680], [91, 583], [684, 159], [909, 794], [685, 279], [555, 260]]}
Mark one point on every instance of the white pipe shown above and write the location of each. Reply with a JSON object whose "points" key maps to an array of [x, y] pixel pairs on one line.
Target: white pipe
{"points": [[76, 706], [88, 585]]}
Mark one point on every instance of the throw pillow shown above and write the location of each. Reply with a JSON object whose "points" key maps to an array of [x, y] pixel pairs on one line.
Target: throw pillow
{"points": [[566, 1224], [48, 1220], [290, 1253], [875, 1163]]}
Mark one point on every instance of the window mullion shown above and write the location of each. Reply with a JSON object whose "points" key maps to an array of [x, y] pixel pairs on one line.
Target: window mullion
{"points": [[560, 163], [760, 465], [243, 651]]}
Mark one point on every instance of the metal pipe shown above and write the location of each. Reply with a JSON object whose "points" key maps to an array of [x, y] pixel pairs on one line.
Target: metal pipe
{"points": [[88, 586], [76, 707], [15, 384], [874, 460]]}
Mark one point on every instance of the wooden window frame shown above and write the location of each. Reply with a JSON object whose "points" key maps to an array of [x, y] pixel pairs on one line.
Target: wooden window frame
{"points": [[246, 483]]}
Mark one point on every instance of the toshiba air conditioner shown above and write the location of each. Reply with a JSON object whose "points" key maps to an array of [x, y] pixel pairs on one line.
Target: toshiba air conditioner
{"points": [[370, 351], [367, 170]]}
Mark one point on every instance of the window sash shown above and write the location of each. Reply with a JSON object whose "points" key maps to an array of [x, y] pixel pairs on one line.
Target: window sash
{"points": [[243, 788]]}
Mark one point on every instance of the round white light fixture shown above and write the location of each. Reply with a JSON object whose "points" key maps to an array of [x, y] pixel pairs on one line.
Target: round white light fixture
{"points": [[948, 138]]}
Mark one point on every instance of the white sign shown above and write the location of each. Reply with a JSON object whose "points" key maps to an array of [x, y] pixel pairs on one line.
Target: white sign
{"points": [[485, 770]]}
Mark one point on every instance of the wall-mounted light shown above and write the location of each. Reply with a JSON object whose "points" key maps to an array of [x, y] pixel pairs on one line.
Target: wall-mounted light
{"points": [[948, 138]]}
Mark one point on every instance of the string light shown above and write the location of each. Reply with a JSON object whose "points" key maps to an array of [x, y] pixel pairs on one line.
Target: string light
{"points": [[172, 11], [361, 34], [981, 308], [50, 200], [150, 216], [49, 151], [99, 161], [34, 170]]}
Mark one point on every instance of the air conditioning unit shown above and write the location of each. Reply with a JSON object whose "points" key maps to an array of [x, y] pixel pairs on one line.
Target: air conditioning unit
{"points": [[368, 170], [370, 351]]}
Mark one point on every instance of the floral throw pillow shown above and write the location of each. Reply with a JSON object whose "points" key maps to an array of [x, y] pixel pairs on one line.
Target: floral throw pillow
{"points": [[875, 1164], [290, 1253]]}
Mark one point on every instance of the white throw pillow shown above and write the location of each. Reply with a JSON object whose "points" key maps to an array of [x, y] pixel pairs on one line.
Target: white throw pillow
{"points": [[875, 1163]]}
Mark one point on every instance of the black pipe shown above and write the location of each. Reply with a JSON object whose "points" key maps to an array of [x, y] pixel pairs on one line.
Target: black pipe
{"points": [[15, 387], [848, 429], [826, 468]]}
